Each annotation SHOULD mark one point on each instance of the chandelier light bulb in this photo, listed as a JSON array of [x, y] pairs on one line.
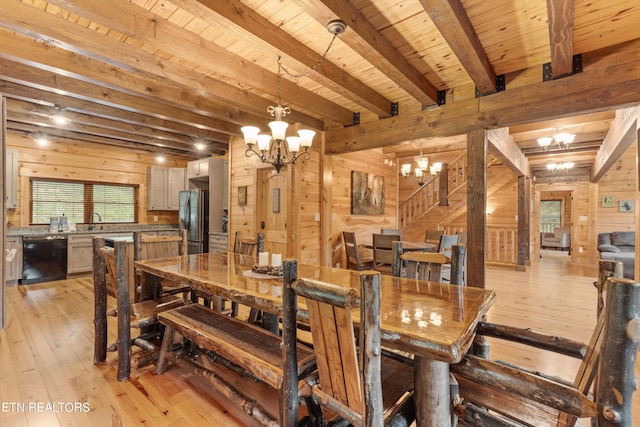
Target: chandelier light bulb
[[278, 130], [263, 142], [306, 137], [294, 143], [405, 169], [250, 133], [545, 141]]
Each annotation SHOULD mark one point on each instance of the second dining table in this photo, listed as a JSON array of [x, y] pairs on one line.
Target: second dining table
[[433, 321]]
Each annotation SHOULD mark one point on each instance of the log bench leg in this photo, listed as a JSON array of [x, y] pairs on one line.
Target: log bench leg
[[432, 396], [165, 348]]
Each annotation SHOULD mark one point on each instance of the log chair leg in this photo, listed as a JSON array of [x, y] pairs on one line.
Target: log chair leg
[[167, 344], [431, 379]]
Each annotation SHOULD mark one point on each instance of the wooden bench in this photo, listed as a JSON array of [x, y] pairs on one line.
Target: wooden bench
[[278, 361]]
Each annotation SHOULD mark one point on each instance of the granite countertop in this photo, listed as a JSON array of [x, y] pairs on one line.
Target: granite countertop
[[125, 229]]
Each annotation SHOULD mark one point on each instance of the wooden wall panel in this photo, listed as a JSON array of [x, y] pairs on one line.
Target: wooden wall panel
[[79, 160], [619, 182]]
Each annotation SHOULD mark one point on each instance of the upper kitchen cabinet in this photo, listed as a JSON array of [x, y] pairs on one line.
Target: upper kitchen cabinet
[[199, 169], [11, 180], [163, 188]]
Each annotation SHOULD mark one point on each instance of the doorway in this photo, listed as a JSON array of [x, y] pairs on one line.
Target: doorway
[[272, 209]]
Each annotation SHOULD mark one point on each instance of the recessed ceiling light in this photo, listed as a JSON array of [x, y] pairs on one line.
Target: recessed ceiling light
[[200, 146], [41, 139], [60, 116]]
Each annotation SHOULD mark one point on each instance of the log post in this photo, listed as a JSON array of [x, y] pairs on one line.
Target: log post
[[100, 303], [124, 311], [370, 342], [606, 269], [616, 375], [289, 392]]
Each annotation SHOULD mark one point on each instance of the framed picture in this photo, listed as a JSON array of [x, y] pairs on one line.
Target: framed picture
[[276, 200], [608, 201], [626, 206], [367, 194], [242, 195]]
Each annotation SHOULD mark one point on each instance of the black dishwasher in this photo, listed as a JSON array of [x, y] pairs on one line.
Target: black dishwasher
[[44, 258]]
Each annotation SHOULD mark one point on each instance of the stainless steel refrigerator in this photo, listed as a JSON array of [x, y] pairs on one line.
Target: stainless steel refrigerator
[[194, 217]]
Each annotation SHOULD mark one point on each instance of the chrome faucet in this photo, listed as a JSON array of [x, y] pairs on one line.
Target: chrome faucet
[[91, 224]]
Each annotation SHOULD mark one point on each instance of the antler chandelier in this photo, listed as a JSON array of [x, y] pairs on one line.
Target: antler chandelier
[[270, 147]]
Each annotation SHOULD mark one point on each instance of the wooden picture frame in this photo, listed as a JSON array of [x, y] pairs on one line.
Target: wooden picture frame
[[626, 206], [608, 201], [367, 193], [242, 195]]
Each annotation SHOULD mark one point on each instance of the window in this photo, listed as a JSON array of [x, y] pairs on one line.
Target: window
[[550, 215], [78, 200]]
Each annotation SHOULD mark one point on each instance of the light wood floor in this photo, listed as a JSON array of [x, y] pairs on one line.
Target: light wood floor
[[46, 352]]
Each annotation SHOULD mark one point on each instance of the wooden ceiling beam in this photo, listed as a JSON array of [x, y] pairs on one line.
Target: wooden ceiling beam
[[369, 43], [502, 146], [560, 14], [611, 79], [622, 134], [90, 92], [43, 97], [327, 73], [159, 33], [451, 19]]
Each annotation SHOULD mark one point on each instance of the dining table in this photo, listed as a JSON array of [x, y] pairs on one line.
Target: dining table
[[435, 322]]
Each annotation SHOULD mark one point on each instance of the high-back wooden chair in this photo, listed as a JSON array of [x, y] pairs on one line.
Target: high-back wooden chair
[[433, 236], [431, 265], [383, 252], [140, 315], [355, 382], [354, 262], [395, 231], [149, 246], [446, 242], [518, 396]]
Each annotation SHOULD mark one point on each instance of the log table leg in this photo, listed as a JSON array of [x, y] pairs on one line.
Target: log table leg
[[433, 402], [100, 304]]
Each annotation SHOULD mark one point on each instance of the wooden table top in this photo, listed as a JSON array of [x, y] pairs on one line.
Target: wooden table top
[[428, 319]]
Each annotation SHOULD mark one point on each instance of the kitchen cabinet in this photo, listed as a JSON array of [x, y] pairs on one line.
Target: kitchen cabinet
[[218, 242], [163, 188], [79, 254], [198, 169], [11, 180], [13, 269]]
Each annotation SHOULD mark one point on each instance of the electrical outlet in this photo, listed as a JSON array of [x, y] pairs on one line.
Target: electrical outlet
[[155, 217], [316, 217]]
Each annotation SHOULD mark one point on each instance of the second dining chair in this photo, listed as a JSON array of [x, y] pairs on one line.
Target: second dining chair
[[354, 261], [446, 242], [383, 252]]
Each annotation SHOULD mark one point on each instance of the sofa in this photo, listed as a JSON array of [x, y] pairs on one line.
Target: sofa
[[619, 246], [559, 239]]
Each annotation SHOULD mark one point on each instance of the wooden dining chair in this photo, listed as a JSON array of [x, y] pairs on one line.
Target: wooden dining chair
[[355, 382], [430, 266], [354, 261], [139, 315], [433, 236], [383, 252], [149, 246], [446, 241], [496, 393], [395, 231]]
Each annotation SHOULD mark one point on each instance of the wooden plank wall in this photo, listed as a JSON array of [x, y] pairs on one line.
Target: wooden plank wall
[[85, 161], [619, 182], [364, 226]]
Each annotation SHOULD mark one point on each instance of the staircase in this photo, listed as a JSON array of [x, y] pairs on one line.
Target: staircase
[[422, 210]]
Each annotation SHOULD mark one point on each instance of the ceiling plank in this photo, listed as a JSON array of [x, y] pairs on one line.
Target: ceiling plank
[[153, 30], [42, 97], [502, 146], [369, 43], [47, 81], [611, 78], [622, 134], [451, 19], [326, 73], [560, 13]]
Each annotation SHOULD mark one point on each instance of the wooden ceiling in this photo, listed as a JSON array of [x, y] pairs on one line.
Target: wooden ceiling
[[161, 75]]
